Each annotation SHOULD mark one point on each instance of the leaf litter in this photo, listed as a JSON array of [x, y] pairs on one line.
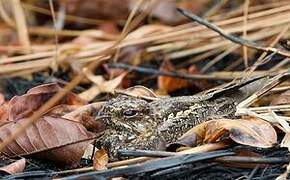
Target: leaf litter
[[160, 49]]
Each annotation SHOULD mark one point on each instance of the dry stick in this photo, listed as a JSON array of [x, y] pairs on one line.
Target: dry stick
[[199, 149], [54, 63], [186, 52], [246, 10], [230, 37], [19, 16], [162, 73], [226, 159]]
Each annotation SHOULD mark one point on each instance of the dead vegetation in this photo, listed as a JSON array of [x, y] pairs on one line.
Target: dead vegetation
[[62, 61]]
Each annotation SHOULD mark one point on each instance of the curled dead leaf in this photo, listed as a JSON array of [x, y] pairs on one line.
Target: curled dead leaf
[[101, 159], [23, 106], [252, 132], [15, 167], [48, 139], [61, 110]]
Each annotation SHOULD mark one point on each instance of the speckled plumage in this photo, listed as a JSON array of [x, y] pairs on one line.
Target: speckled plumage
[[136, 123]]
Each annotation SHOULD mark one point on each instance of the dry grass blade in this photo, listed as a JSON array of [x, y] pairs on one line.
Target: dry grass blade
[[55, 58], [246, 9], [125, 29], [21, 24], [170, 39]]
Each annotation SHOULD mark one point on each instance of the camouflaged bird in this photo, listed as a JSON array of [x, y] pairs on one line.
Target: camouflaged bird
[[135, 121]]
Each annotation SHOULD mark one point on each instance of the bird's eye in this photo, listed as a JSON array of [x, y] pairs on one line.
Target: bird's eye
[[130, 113]]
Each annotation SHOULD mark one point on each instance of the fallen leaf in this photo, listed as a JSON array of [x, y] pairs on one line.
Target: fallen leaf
[[170, 84], [48, 138], [101, 160], [252, 132], [70, 98], [24, 106], [61, 110], [15, 167]]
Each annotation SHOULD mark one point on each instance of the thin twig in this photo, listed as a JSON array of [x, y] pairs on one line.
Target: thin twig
[[153, 165], [151, 71], [230, 37]]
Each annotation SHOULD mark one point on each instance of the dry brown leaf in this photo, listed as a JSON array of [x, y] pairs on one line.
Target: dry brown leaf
[[70, 98], [15, 167], [47, 133], [86, 116], [252, 132], [61, 110], [170, 84], [101, 160], [23, 106]]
